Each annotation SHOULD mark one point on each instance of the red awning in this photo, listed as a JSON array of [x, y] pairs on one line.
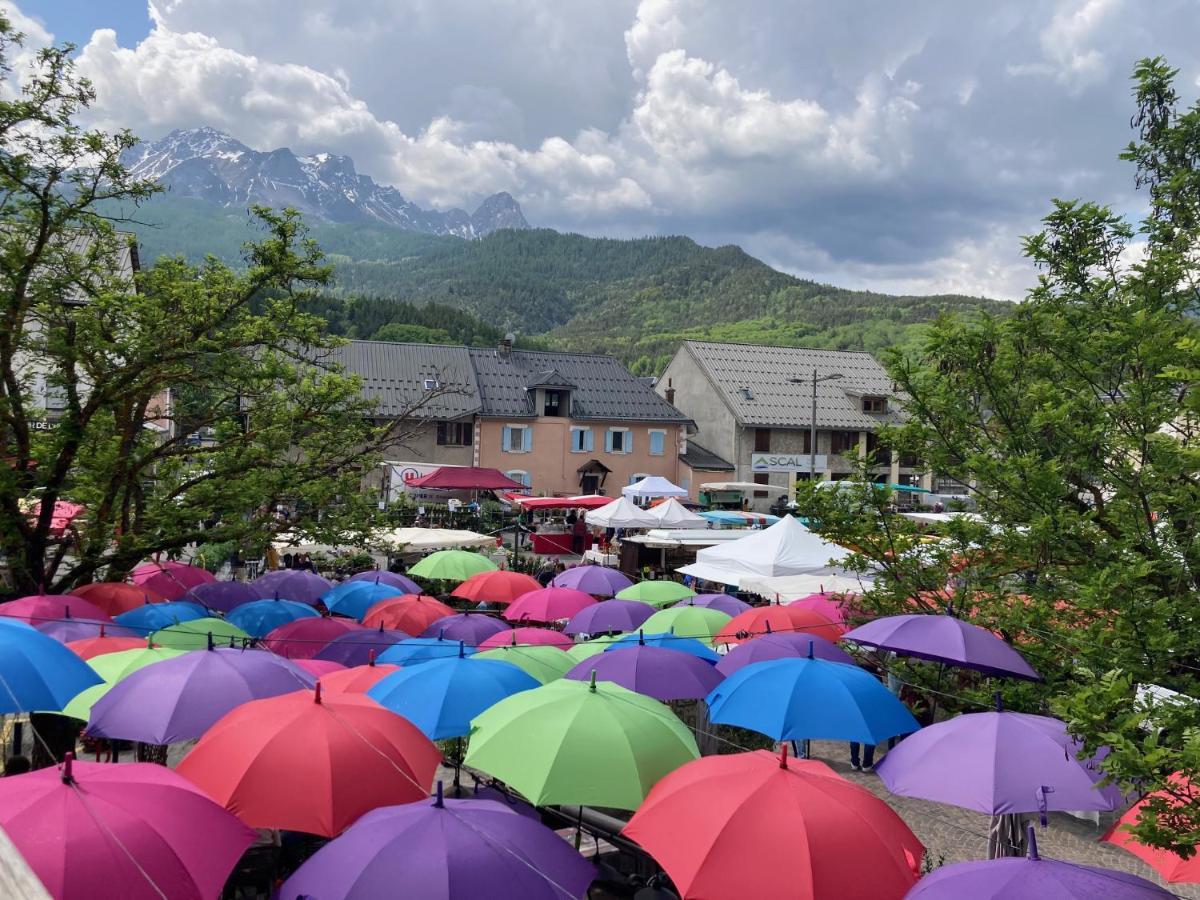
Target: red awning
[[466, 478], [590, 501]]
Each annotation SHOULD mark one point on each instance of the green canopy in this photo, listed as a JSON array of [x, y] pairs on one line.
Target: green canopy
[[696, 622], [193, 635], [112, 667], [541, 661], [584, 649], [657, 593], [580, 743], [452, 565]]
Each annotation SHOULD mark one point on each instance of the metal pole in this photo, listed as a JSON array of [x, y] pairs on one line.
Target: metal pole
[[812, 431]]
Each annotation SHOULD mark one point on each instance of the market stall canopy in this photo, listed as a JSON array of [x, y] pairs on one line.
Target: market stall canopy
[[743, 486], [786, 548], [623, 513], [734, 517], [584, 501], [786, 588], [466, 478], [418, 540], [62, 516], [673, 514], [653, 486], [287, 542]]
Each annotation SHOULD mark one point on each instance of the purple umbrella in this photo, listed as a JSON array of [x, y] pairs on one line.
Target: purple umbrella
[[222, 595], [290, 584], [596, 580], [354, 648], [944, 639], [721, 602], [470, 628], [180, 698], [653, 671], [444, 850], [389, 579], [609, 617], [996, 763], [1017, 878], [69, 629], [781, 644]]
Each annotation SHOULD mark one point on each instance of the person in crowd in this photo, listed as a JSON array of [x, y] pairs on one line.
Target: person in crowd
[[579, 532], [866, 762]]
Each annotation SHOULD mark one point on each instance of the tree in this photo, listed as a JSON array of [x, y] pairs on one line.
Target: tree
[[1076, 419], [413, 334], [192, 398]]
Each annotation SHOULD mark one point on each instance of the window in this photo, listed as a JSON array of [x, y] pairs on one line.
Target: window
[[762, 440], [909, 461], [522, 476], [517, 439], [762, 478], [55, 396], [553, 403], [843, 441], [874, 404], [432, 384], [455, 434], [944, 484], [638, 476], [877, 450], [581, 439], [618, 440], [658, 442]]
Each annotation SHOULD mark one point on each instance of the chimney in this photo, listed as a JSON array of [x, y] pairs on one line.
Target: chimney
[[669, 393], [506, 343]]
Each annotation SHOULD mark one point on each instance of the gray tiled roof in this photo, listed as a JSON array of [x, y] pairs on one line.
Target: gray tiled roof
[[698, 457], [604, 389], [551, 378], [753, 382], [395, 375]]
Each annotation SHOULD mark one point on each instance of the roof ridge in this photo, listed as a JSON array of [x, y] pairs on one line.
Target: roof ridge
[[778, 347]]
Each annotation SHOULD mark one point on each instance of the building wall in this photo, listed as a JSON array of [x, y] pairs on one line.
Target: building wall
[[696, 399], [421, 447]]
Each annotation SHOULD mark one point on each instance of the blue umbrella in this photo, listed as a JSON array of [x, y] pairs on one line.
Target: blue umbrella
[[809, 699], [405, 584], [414, 651], [259, 617], [667, 640], [441, 697], [154, 616], [354, 598], [37, 673]]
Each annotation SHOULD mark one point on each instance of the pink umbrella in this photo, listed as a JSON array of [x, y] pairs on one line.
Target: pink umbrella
[[319, 667], [548, 605], [136, 831], [528, 636], [39, 608], [834, 607], [305, 638], [171, 579]]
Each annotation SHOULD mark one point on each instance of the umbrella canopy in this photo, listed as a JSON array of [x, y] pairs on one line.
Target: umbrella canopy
[[222, 596], [357, 680], [170, 579], [38, 608], [668, 640], [181, 698], [196, 634], [352, 599], [466, 478], [785, 645], [130, 832], [67, 630], [653, 486], [410, 613], [608, 617], [116, 597], [470, 628], [653, 671], [151, 617], [38, 673], [355, 648], [585, 743], [834, 607], [98, 646], [656, 593], [544, 663], [523, 636], [497, 586], [403, 583], [589, 648], [731, 606], [452, 565], [259, 618], [112, 667], [548, 605], [598, 581], [1172, 867], [944, 639], [811, 833], [996, 763], [810, 699], [622, 513], [291, 584], [318, 668], [774, 618], [442, 697], [444, 850], [687, 621], [415, 651], [305, 638], [307, 762]]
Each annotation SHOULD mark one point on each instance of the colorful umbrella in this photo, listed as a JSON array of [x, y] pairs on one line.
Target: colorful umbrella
[[415, 651], [357, 680], [544, 663], [687, 621], [495, 586], [402, 583], [355, 648], [112, 667], [1171, 866], [582, 743], [223, 596], [657, 593], [70, 629], [352, 599], [98, 646], [303, 762], [525, 636], [548, 605], [38, 608], [170, 579], [444, 850], [609, 617], [771, 619], [130, 832], [834, 607], [589, 648], [151, 617], [762, 825], [291, 584], [196, 633], [305, 638], [666, 640], [180, 698], [944, 639], [410, 613], [731, 606], [37, 673], [470, 628], [653, 671], [116, 597], [258, 618], [452, 565], [442, 697], [595, 580], [996, 763], [810, 699], [785, 645], [318, 668]]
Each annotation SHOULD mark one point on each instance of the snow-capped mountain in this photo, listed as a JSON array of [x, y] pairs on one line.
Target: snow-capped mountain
[[210, 165]]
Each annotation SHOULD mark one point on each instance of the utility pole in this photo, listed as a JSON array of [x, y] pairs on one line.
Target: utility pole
[[812, 422]]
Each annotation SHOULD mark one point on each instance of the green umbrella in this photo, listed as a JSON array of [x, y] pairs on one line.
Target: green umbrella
[[452, 565], [584, 649], [687, 621], [657, 593], [112, 667], [193, 635], [580, 743], [543, 662]]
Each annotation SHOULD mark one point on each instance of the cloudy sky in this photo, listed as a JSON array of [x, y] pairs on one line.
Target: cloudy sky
[[895, 146]]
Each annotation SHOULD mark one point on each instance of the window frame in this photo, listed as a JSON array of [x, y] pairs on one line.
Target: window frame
[[588, 444], [651, 434], [510, 429], [444, 426], [626, 440]]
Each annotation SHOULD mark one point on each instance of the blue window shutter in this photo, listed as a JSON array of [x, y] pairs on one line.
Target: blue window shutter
[[587, 440], [506, 440], [527, 439], [656, 442], [527, 479], [608, 440], [627, 446]]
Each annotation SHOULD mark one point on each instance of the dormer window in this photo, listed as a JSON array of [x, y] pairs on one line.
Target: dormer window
[[553, 403], [874, 404], [432, 384], [746, 393]]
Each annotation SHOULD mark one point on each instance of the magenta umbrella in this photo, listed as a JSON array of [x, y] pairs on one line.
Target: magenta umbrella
[[170, 579], [599, 581], [834, 607], [39, 608], [402, 583], [305, 638], [781, 644], [653, 671], [518, 637], [548, 605], [291, 584], [135, 831], [609, 617], [720, 602], [470, 628]]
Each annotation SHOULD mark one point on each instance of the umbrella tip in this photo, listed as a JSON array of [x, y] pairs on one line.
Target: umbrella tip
[[783, 748], [440, 801], [592, 686], [371, 657], [642, 637], [1031, 839], [101, 629], [999, 698], [317, 693], [210, 641], [810, 649], [68, 764], [768, 624], [462, 649]]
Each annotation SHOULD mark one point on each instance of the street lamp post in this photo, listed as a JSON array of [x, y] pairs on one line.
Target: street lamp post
[[812, 422]]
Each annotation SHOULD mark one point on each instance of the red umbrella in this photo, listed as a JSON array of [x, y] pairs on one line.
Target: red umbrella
[[496, 587], [1170, 866], [303, 762], [548, 605], [466, 478], [38, 608], [762, 825], [304, 638], [527, 636], [411, 613], [765, 619], [171, 579], [98, 646], [116, 597], [319, 667], [358, 679]]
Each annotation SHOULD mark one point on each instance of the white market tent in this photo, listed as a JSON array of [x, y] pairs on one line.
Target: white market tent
[[419, 540], [787, 588], [743, 486], [673, 514], [653, 486], [786, 548], [623, 513]]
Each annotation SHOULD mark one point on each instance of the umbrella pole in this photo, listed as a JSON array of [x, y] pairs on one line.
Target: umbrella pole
[[458, 758], [937, 690], [579, 830]]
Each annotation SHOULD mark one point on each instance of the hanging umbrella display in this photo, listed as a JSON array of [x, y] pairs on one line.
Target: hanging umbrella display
[[525, 636], [318, 668], [609, 617], [358, 679], [196, 633], [170, 579], [944, 639], [657, 593], [70, 629], [98, 646], [543, 662], [548, 605], [452, 565], [130, 832], [180, 698], [688, 621], [444, 850], [116, 597], [347, 753], [589, 648], [112, 667], [223, 596], [354, 648], [258, 618], [667, 640], [150, 618], [37, 673], [291, 584], [598, 581], [352, 599], [810, 833], [498, 586], [784, 645], [39, 608], [583, 743], [1172, 867], [305, 638], [415, 651], [410, 613], [402, 583], [731, 606], [775, 618], [653, 671], [470, 628], [810, 699]]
